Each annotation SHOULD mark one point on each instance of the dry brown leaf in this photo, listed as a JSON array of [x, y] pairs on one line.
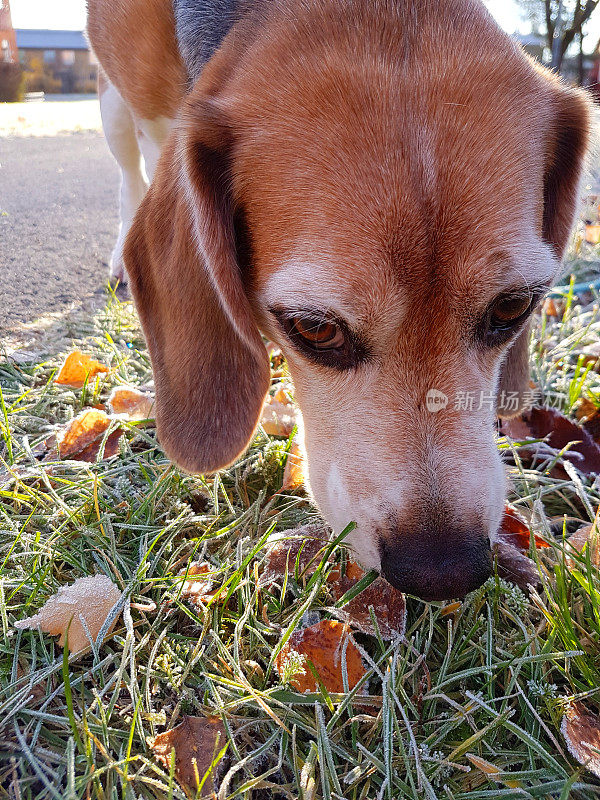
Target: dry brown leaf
[[389, 605], [197, 588], [278, 419], [90, 453], [293, 473], [323, 644], [129, 402], [515, 566], [284, 548], [197, 741], [558, 431], [77, 368], [80, 440], [90, 599], [582, 735], [590, 536]]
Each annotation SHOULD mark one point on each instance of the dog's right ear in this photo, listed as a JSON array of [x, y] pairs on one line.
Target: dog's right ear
[[568, 139], [211, 369]]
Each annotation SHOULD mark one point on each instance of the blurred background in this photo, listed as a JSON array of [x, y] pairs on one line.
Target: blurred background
[[44, 49], [59, 183]]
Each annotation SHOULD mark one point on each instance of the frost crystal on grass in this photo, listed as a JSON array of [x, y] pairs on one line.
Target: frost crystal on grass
[[292, 664], [542, 690]]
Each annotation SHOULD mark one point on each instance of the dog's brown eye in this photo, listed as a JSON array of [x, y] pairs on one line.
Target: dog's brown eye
[[320, 335], [509, 310]]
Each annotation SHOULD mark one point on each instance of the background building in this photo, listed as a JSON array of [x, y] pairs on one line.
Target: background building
[[57, 61]]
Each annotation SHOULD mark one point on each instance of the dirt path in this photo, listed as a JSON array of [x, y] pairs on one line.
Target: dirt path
[[58, 223]]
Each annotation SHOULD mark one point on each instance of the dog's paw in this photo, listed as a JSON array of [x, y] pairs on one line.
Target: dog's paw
[[117, 272]]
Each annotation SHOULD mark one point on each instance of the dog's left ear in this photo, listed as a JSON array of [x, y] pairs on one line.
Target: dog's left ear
[[211, 368], [568, 140]]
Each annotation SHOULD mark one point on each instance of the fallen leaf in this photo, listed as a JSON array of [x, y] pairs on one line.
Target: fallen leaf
[[590, 536], [451, 608], [492, 771], [77, 368], [80, 440], [582, 735], [90, 454], [592, 233], [198, 586], [323, 645], [515, 530], [197, 741], [89, 599], [514, 566], [129, 402], [293, 473], [281, 396], [558, 431], [389, 605], [591, 354], [550, 308], [278, 419], [285, 548], [588, 414]]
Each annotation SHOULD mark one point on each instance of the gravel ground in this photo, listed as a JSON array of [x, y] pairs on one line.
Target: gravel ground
[[58, 224]]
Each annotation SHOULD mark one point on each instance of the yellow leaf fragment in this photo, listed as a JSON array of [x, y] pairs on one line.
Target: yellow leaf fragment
[[85, 603], [293, 473], [492, 771], [77, 368], [198, 586]]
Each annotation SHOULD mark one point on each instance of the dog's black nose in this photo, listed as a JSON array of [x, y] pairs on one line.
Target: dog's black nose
[[442, 566]]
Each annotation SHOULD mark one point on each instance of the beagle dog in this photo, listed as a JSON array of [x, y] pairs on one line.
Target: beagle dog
[[385, 189]]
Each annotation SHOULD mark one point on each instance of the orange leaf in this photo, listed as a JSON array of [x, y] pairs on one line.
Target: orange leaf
[[515, 530], [582, 735], [77, 368], [82, 437], [90, 599], [293, 473], [197, 741], [129, 402], [323, 644]]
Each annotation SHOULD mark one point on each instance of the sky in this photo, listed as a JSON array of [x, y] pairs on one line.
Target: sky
[[71, 14]]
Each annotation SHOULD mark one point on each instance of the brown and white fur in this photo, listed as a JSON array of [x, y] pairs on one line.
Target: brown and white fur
[[398, 166]]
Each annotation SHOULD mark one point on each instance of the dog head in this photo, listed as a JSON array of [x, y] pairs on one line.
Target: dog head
[[387, 198]]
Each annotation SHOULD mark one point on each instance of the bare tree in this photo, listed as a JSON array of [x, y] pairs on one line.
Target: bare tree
[[561, 21]]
